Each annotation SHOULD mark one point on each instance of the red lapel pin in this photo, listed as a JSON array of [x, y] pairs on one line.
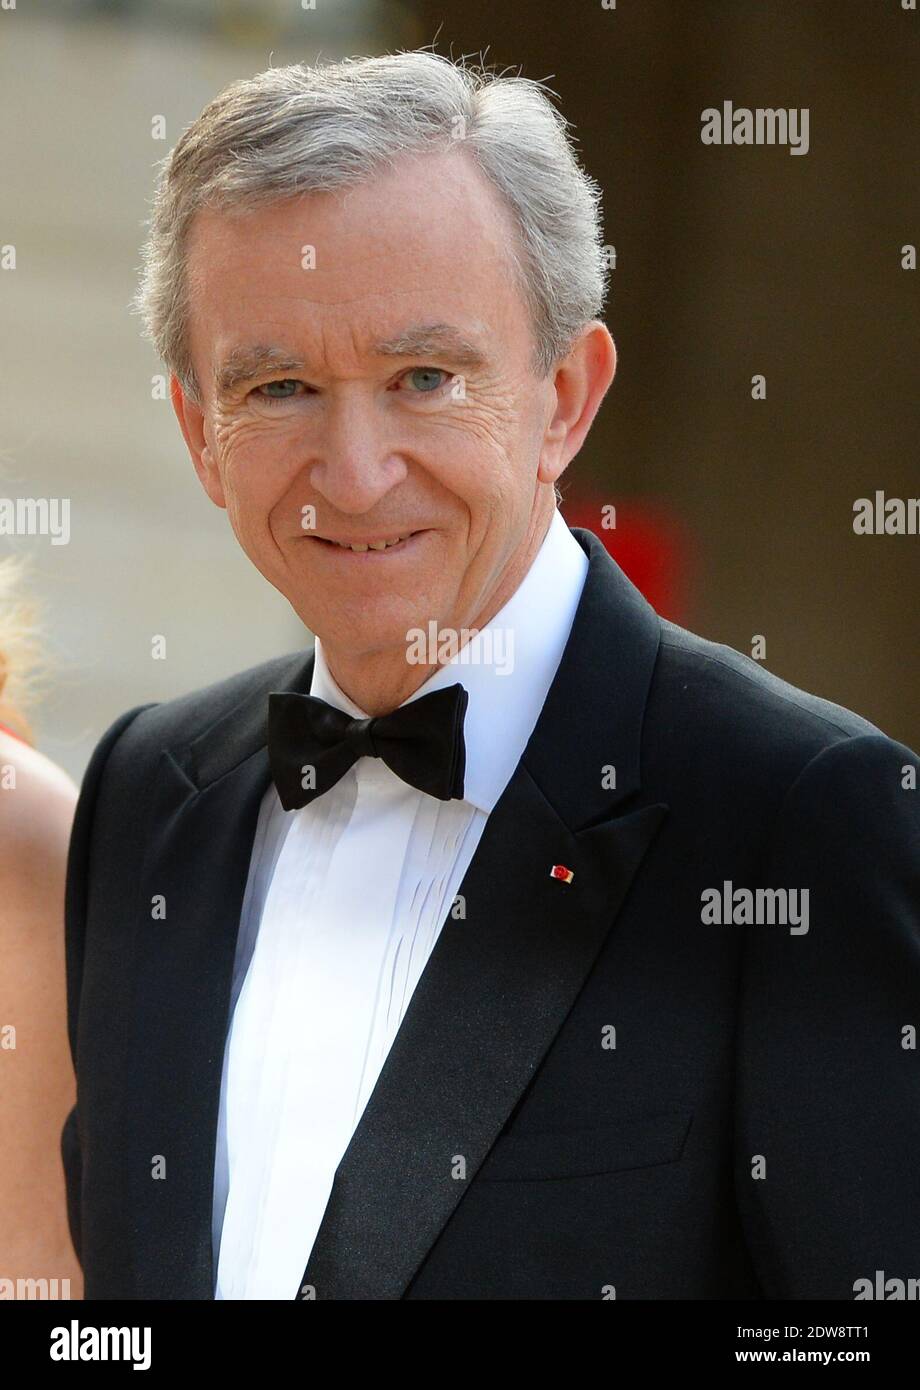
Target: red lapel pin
[[561, 872]]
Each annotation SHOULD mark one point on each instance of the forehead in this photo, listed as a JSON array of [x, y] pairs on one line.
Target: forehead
[[428, 240]]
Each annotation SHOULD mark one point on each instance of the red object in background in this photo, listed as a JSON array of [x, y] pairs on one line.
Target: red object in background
[[651, 544]]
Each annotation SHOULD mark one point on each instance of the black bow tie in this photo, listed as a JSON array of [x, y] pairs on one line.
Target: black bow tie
[[311, 741]]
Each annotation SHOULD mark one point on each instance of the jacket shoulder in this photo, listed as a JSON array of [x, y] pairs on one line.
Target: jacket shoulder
[[147, 729], [715, 695]]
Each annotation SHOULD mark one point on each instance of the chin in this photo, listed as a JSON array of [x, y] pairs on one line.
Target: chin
[[362, 630]]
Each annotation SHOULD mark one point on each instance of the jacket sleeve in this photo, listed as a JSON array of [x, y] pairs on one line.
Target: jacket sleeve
[[827, 1120], [75, 913]]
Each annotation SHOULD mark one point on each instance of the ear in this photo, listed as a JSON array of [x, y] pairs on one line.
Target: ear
[[191, 423], [581, 380]]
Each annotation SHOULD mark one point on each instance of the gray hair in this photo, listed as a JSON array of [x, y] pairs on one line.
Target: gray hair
[[301, 129]]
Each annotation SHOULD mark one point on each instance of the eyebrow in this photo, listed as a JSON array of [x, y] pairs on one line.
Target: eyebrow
[[442, 340]]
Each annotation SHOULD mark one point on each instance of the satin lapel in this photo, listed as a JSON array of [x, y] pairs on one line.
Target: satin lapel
[[206, 808], [500, 983], [490, 1001]]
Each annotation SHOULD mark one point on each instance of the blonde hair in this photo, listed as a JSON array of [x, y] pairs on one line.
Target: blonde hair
[[19, 648]]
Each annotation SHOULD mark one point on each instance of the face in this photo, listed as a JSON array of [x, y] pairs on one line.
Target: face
[[369, 416]]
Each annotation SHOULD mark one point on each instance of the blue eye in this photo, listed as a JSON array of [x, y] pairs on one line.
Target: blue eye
[[283, 382], [426, 381], [427, 373]]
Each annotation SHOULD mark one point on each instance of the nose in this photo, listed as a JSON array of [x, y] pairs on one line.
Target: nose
[[354, 461]]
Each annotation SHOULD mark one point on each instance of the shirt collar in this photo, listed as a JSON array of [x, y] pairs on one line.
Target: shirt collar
[[507, 668]]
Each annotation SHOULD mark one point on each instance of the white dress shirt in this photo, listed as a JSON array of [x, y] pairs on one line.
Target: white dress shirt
[[343, 906]]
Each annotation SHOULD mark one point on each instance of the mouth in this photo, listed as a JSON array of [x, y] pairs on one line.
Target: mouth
[[379, 545]]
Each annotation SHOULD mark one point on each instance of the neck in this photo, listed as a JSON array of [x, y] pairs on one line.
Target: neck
[[381, 681]]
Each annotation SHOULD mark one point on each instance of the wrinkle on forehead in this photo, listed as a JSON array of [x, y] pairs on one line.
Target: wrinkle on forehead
[[407, 233]]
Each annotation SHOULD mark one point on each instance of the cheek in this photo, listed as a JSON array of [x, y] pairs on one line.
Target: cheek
[[252, 476], [496, 474], [473, 455], [237, 441], [503, 425]]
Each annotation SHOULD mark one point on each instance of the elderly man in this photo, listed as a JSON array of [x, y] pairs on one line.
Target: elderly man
[[400, 971]]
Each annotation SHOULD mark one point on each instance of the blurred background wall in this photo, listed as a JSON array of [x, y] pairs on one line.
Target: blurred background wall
[[734, 514]]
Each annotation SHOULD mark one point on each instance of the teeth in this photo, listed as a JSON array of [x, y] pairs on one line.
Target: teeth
[[374, 545]]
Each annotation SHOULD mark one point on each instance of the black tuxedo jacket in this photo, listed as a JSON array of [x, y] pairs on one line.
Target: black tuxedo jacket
[[594, 1093]]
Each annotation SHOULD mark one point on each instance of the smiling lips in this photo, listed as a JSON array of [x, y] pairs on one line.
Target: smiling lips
[[359, 547]]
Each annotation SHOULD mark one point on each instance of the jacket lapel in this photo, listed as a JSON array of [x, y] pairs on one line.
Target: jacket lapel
[[500, 983]]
